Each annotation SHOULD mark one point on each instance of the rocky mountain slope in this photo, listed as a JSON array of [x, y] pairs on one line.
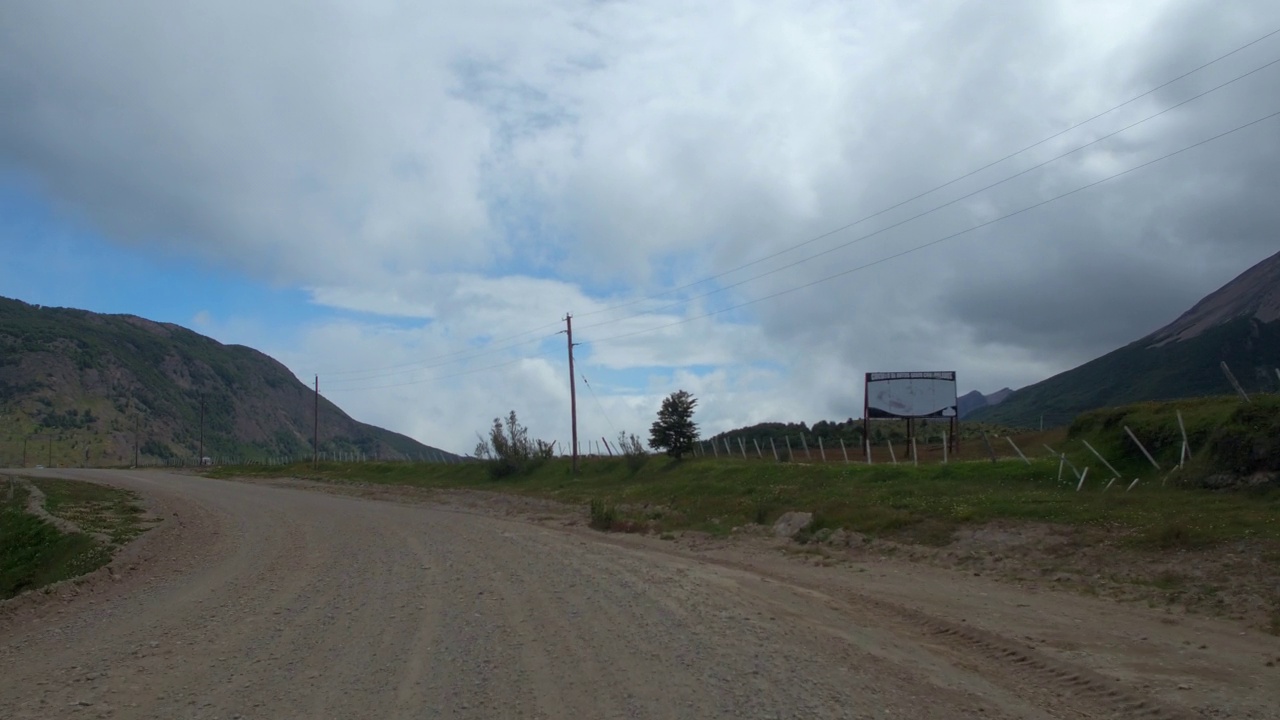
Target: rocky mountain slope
[[1238, 324], [78, 387]]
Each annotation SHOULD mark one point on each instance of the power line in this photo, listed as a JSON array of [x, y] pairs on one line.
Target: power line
[[598, 403], [936, 208], [939, 240], [366, 374], [849, 271], [944, 185]]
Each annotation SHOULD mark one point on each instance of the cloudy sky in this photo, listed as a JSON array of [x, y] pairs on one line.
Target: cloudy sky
[[754, 200]]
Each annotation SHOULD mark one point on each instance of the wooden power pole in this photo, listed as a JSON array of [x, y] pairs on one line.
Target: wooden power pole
[[573, 391], [200, 460], [315, 439]]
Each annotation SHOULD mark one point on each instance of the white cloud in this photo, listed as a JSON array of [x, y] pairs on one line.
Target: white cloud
[[485, 168]]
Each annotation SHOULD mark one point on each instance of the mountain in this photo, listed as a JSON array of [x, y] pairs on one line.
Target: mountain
[[973, 400], [78, 385], [1238, 324]]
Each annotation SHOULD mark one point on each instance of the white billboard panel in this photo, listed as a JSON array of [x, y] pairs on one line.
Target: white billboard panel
[[911, 395]]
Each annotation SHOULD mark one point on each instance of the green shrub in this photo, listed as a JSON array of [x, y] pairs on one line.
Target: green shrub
[[632, 451], [509, 450], [603, 515], [1249, 442]]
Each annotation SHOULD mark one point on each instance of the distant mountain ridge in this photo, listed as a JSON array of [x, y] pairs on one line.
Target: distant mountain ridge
[[89, 386], [973, 401], [1238, 324]]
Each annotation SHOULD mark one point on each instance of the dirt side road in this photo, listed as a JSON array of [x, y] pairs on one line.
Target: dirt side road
[[254, 601]]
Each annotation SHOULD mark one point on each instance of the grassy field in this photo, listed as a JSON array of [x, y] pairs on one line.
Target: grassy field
[[922, 504], [927, 503], [34, 553]]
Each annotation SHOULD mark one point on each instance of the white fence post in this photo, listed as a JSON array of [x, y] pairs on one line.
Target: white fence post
[[1141, 447], [1017, 450]]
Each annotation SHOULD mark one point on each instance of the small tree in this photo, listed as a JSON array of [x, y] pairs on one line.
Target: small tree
[[674, 431], [633, 450], [510, 448]]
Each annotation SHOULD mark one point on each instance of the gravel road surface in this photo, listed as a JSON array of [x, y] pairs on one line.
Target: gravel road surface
[[255, 601]]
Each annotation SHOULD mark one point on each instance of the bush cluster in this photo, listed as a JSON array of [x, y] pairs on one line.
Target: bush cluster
[[509, 450]]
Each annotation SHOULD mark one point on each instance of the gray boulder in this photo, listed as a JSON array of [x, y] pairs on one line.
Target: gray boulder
[[791, 523]]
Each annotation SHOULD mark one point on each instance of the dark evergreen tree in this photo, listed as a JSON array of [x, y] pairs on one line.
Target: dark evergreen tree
[[674, 431]]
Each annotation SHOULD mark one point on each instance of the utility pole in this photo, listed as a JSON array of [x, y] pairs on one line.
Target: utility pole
[[315, 449], [573, 391], [200, 460]]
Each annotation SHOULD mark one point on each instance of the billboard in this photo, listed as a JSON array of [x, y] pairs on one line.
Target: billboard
[[911, 395]]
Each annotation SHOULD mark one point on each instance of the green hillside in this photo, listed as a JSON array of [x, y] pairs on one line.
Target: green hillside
[[80, 388], [1239, 324], [1143, 371]]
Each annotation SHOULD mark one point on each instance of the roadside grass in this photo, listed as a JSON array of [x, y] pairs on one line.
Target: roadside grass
[[922, 504], [94, 508], [34, 553], [1224, 435]]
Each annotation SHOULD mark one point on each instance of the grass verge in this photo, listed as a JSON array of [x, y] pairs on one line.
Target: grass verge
[[923, 504], [34, 553]]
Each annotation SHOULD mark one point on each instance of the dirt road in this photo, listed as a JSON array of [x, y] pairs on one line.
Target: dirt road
[[252, 601]]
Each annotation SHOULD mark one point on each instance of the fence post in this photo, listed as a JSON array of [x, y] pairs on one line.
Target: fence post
[[868, 441], [1140, 447], [742, 446], [774, 448], [714, 451], [892, 455], [805, 445], [1099, 456], [1017, 450], [759, 454], [944, 447], [915, 460], [1231, 377], [790, 455], [728, 451], [822, 451], [1185, 454], [844, 452], [991, 451]]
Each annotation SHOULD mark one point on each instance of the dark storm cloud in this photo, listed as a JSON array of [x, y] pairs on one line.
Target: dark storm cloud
[[387, 156]]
